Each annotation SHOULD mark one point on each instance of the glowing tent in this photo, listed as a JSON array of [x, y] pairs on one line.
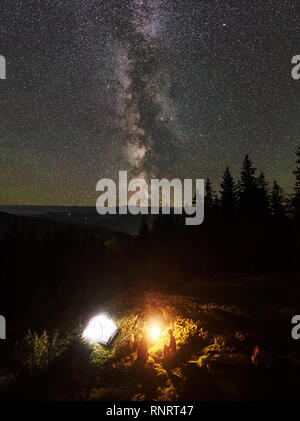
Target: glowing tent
[[100, 329]]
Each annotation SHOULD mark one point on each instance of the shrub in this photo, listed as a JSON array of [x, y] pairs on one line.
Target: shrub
[[32, 351]]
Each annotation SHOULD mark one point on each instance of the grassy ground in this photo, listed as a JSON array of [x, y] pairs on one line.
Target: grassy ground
[[225, 352]]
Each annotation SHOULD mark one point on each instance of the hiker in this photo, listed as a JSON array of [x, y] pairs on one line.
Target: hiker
[[169, 350], [142, 349]]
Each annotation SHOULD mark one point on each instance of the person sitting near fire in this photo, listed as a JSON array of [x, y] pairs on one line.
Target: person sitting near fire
[[142, 349], [169, 350]]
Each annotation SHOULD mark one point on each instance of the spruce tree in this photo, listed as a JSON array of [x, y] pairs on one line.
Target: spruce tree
[[247, 188], [263, 205], [296, 195], [277, 202], [228, 195], [209, 199]]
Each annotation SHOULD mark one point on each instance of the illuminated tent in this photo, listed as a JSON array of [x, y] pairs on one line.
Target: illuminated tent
[[100, 329]]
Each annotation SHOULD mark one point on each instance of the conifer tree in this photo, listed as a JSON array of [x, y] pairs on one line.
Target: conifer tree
[[209, 194], [209, 199], [277, 202], [263, 205], [296, 195], [247, 188], [228, 199]]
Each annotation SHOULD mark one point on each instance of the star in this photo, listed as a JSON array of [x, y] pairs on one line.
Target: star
[[95, 87]]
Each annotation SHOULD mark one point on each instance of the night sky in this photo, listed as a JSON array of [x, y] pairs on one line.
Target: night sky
[[161, 88]]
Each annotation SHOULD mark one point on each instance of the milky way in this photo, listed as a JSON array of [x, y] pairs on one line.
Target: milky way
[[144, 105], [160, 88]]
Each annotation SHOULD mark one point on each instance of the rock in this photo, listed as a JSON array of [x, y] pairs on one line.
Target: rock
[[236, 360], [222, 367], [261, 357], [7, 380]]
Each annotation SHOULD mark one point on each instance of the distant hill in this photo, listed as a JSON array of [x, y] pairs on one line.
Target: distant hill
[[81, 215], [45, 222]]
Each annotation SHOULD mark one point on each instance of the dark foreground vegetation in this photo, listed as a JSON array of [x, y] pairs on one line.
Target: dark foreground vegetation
[[229, 289]]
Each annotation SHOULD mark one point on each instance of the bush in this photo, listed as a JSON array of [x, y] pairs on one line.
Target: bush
[[32, 351]]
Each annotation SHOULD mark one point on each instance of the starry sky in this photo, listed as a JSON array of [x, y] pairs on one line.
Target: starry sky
[[160, 88]]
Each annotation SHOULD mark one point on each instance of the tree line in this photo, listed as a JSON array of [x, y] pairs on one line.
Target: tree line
[[252, 196], [250, 226]]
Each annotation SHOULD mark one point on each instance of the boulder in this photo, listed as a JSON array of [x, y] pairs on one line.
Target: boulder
[[234, 360], [261, 357]]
